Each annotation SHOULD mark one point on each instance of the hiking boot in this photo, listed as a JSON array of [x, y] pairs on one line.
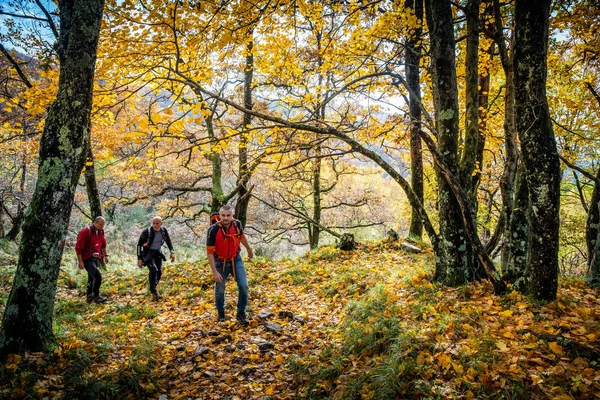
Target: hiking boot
[[99, 299], [156, 295], [241, 316], [90, 298], [221, 316]]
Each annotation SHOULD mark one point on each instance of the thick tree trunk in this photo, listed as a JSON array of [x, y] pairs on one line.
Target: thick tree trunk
[[592, 233], [241, 206], [91, 184], [538, 146], [517, 245], [27, 322], [413, 73], [455, 260]]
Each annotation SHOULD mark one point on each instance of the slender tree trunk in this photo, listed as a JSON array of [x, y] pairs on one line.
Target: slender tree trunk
[[1, 217], [592, 233], [538, 146], [468, 161], [316, 180], [217, 194], [241, 207], [517, 245], [471, 143], [456, 259], [20, 214], [413, 73], [91, 184], [484, 89], [507, 181], [27, 321]]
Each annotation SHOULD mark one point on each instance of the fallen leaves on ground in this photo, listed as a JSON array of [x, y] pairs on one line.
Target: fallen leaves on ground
[[334, 324]]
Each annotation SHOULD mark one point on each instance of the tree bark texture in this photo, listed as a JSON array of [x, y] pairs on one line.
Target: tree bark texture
[[456, 259], [592, 232], [471, 143], [27, 321], [517, 235], [17, 221], [538, 145], [411, 64], [244, 173], [91, 185], [507, 181]]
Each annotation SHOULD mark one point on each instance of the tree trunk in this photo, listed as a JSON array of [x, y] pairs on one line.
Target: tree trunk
[[316, 181], [592, 237], [470, 151], [471, 143], [91, 184], [1, 217], [507, 181], [484, 90], [538, 146], [517, 236], [413, 73], [241, 206], [455, 259], [20, 215], [27, 321], [216, 192]]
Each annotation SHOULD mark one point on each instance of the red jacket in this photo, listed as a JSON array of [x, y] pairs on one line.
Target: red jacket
[[97, 245], [224, 243]]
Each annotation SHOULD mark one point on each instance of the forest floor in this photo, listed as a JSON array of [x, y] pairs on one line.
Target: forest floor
[[344, 325]]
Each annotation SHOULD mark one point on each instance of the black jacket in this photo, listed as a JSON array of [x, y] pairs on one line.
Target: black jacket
[[146, 239]]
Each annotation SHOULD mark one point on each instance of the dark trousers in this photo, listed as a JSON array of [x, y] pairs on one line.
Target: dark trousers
[[94, 276], [154, 265]]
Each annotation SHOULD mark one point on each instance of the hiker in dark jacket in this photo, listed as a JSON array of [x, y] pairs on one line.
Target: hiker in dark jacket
[[223, 253], [149, 252], [90, 248]]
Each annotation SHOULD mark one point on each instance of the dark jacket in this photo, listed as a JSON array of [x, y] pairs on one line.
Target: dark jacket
[[146, 239]]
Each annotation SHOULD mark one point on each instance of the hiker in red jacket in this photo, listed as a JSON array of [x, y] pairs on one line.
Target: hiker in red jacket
[[90, 248], [223, 253]]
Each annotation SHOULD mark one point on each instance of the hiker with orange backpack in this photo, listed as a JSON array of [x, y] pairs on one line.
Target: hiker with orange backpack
[[223, 252], [90, 249]]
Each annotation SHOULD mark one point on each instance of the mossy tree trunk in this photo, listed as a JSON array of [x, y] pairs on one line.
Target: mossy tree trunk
[[412, 61], [592, 235], [19, 217], [455, 260], [538, 146], [27, 321], [515, 267]]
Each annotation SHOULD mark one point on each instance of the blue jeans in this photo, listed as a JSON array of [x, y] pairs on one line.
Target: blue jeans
[[240, 279]]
